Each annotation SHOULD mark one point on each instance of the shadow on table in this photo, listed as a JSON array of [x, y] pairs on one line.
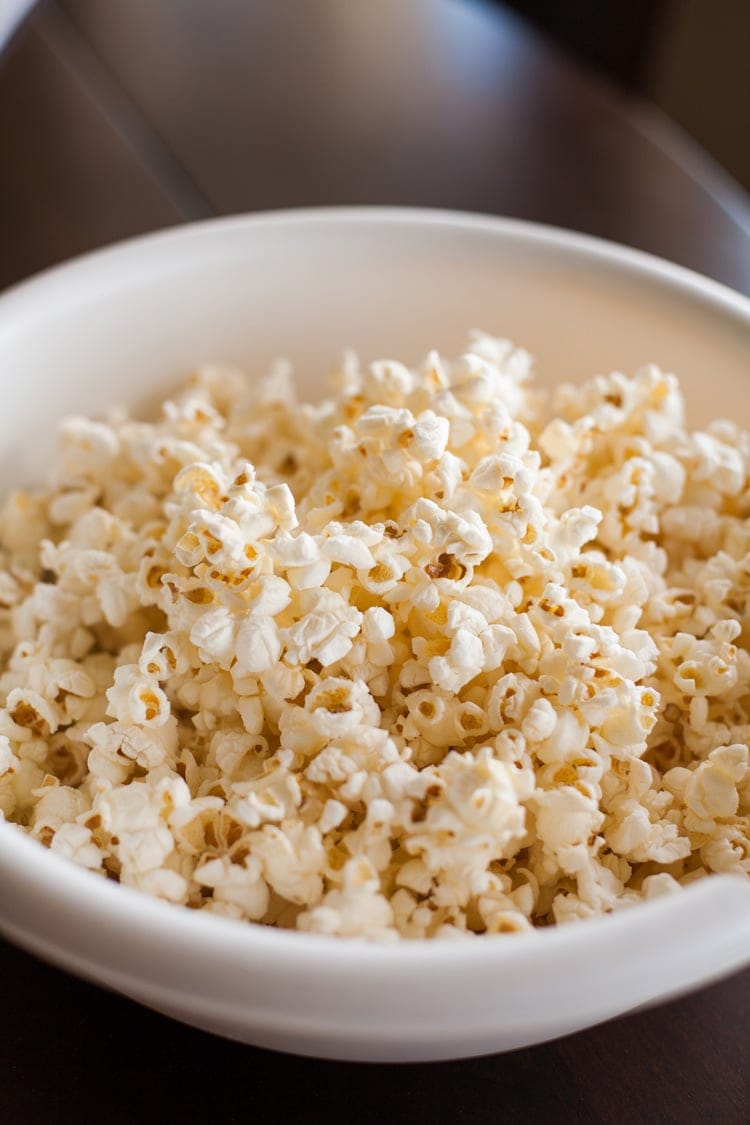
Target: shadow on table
[[100, 1058]]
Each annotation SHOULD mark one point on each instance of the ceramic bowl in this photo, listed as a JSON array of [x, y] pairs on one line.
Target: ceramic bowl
[[123, 325]]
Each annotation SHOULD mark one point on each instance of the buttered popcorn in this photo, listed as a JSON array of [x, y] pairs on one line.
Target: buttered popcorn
[[439, 656]]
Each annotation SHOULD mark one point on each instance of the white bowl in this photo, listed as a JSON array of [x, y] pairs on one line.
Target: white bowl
[[122, 324]]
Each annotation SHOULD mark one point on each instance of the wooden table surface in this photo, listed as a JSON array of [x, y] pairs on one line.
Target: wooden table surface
[[120, 117]]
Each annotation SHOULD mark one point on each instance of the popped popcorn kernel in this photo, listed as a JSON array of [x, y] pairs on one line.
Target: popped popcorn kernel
[[439, 656]]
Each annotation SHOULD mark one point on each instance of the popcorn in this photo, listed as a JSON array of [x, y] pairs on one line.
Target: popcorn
[[238, 885], [359, 909], [75, 841], [711, 792], [438, 656]]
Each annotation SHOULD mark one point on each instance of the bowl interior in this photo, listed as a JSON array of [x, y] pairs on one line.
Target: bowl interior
[[122, 325]]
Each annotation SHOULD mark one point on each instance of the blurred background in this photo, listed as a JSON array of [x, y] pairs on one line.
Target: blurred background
[[623, 118], [688, 56]]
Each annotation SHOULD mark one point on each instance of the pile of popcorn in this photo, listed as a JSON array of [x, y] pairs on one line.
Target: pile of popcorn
[[442, 655]]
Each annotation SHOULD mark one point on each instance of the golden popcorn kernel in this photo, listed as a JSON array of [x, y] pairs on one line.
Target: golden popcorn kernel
[[352, 502], [419, 812], [189, 542], [446, 567], [199, 596], [380, 573], [337, 856], [231, 580], [63, 763], [288, 465], [439, 615], [239, 855], [25, 716], [502, 925], [212, 544], [336, 700], [197, 480], [566, 775], [436, 646], [232, 830], [151, 704]]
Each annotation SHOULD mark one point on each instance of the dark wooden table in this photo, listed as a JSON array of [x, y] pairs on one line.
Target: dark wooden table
[[119, 117]]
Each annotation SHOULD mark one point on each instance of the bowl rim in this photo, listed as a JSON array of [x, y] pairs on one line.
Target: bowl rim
[[73, 889], [66, 887], [53, 281]]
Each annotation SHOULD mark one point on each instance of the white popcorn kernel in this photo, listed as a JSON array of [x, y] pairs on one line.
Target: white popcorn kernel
[[463, 661], [540, 721], [334, 813], [241, 885], [8, 760], [655, 886], [258, 645], [213, 634], [378, 625], [163, 883], [430, 437], [135, 698], [88, 447], [565, 817], [324, 632], [75, 842], [711, 790], [718, 463]]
